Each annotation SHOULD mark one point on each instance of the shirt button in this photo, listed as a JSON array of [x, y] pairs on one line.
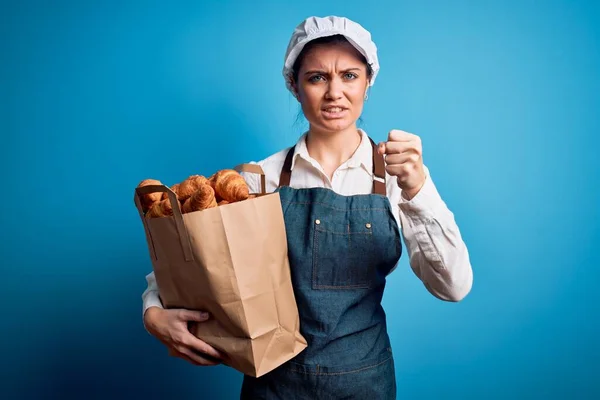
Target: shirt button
[[317, 221], [368, 225]]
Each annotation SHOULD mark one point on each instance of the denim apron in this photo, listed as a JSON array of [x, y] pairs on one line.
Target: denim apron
[[340, 248]]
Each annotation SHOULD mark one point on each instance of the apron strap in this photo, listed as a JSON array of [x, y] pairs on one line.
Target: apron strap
[[286, 170], [378, 170]]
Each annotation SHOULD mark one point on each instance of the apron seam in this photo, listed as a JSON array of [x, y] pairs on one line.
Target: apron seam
[[319, 373]]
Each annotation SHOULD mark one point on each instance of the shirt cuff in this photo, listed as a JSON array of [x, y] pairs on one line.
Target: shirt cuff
[[425, 202], [151, 299]]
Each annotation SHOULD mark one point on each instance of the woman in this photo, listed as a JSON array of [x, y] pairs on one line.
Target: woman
[[346, 203]]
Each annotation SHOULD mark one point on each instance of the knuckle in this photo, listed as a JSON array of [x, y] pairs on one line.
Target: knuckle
[[178, 348], [178, 338]]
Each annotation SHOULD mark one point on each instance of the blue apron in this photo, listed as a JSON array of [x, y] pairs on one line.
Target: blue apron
[[340, 248]]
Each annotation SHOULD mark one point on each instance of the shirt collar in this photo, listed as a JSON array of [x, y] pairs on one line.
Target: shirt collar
[[362, 157]]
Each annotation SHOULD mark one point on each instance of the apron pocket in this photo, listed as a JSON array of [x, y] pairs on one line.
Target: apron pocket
[[342, 255]]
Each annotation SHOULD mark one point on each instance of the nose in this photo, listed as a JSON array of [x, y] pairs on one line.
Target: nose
[[334, 89]]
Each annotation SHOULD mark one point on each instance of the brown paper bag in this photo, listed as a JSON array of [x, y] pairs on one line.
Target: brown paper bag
[[231, 261]]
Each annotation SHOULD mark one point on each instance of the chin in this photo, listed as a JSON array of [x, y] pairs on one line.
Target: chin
[[334, 126]]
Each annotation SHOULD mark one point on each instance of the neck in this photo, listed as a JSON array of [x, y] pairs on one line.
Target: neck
[[332, 149]]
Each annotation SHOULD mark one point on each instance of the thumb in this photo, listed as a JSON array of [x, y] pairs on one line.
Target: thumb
[[381, 148], [197, 316]]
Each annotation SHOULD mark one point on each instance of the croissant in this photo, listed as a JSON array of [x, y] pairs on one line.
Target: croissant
[[160, 208], [223, 202], [174, 188], [149, 199], [229, 185], [189, 186], [201, 199]]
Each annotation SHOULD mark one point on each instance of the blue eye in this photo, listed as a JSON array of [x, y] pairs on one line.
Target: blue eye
[[350, 76], [314, 78]]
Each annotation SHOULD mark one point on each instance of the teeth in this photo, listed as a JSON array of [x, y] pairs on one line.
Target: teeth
[[334, 109]]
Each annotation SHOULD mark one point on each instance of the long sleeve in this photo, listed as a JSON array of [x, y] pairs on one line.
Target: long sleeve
[[150, 295], [437, 253]]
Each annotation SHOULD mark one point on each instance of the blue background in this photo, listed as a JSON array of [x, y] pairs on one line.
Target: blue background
[[96, 96]]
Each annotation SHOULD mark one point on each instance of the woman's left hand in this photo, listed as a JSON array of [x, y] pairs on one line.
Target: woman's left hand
[[404, 160]]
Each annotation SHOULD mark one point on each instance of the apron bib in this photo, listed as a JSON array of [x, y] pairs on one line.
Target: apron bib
[[341, 249]]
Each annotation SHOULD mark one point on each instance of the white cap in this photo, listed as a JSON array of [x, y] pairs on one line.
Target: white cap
[[317, 27]]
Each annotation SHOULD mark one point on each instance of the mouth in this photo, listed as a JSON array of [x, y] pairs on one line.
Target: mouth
[[334, 111]]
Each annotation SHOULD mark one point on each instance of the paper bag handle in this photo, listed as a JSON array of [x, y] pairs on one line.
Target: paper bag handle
[[177, 216], [254, 169]]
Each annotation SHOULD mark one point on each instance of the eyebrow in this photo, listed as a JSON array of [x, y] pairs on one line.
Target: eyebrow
[[319, 71]]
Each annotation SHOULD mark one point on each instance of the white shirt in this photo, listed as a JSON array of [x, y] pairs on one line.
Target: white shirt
[[437, 254]]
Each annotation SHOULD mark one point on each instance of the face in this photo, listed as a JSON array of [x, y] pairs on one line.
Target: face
[[331, 86]]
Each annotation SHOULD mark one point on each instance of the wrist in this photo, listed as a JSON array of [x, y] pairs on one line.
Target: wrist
[[150, 317], [409, 194]]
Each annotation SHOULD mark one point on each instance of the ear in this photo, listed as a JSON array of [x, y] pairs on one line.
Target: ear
[[294, 89]]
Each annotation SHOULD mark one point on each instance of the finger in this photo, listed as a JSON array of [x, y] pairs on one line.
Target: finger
[[394, 159], [399, 170], [192, 358], [176, 354], [396, 135], [196, 316], [398, 147], [200, 346], [192, 355]]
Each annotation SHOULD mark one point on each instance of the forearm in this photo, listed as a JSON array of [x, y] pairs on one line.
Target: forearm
[[150, 296], [437, 252]]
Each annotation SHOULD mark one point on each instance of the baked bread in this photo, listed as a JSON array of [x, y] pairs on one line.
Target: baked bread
[[197, 193], [160, 208], [229, 185], [149, 199], [189, 186], [174, 188], [201, 199]]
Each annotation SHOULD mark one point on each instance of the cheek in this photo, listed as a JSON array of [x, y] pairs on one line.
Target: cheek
[[357, 94], [310, 98]]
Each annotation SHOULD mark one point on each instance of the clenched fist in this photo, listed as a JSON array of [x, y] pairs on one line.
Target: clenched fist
[[404, 160]]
